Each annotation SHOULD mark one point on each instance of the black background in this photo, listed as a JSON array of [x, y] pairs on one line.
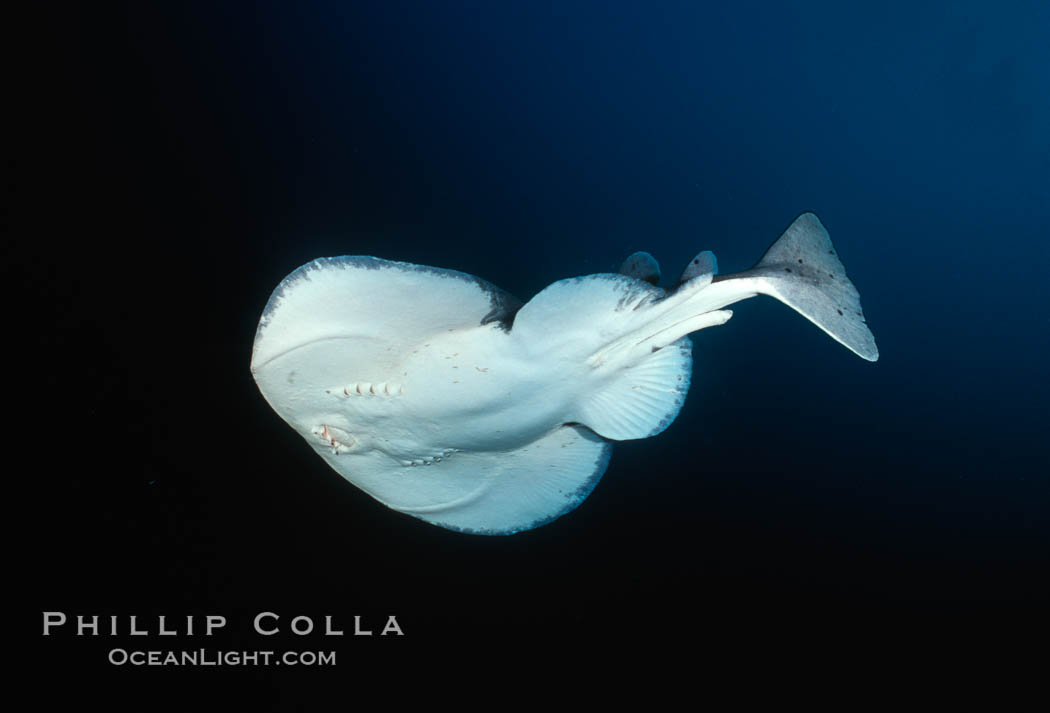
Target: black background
[[179, 160]]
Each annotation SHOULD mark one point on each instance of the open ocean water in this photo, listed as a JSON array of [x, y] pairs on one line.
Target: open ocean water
[[184, 157]]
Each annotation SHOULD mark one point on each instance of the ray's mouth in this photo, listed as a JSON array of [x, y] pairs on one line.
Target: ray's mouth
[[339, 440]]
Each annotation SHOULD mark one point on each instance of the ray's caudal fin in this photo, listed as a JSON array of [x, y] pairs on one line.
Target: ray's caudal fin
[[802, 270]]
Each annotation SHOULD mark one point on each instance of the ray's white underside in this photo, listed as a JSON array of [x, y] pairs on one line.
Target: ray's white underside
[[444, 398]]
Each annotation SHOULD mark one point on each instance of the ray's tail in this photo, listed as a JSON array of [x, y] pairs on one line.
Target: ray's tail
[[801, 269], [631, 337]]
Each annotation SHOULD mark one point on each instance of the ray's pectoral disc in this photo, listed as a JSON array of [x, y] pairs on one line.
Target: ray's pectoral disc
[[406, 381]]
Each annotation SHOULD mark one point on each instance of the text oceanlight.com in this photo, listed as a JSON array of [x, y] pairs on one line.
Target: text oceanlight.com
[[204, 657]]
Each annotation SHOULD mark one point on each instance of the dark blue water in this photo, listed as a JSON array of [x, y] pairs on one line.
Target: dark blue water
[[191, 156]]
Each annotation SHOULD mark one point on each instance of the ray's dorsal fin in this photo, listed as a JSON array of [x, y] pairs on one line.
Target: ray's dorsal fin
[[641, 266], [703, 264]]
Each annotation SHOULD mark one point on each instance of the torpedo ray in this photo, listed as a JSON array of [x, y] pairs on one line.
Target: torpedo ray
[[444, 397]]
